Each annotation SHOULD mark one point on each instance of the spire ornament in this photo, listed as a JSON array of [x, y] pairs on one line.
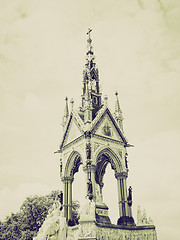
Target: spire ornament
[[118, 112], [88, 33], [91, 88], [66, 113], [72, 104]]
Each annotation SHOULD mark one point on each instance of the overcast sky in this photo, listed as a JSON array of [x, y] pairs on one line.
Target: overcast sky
[[42, 55]]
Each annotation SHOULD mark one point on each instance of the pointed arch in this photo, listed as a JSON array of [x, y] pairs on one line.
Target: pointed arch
[[104, 156], [73, 162]]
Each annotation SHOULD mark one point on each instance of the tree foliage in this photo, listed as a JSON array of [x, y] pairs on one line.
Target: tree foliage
[[25, 224]]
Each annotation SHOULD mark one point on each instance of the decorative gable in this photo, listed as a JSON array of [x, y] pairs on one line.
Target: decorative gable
[[106, 126], [73, 132]]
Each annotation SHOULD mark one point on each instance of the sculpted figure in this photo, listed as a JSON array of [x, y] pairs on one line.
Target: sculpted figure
[[60, 196], [126, 161], [98, 194], [90, 190], [88, 151], [139, 216], [60, 166]]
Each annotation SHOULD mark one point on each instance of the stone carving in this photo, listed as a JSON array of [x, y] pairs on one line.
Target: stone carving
[[76, 164], [126, 161], [102, 162], [96, 146], [129, 198], [87, 134], [119, 234], [150, 221], [90, 189], [60, 167], [88, 212], [142, 218], [54, 226], [88, 150], [60, 196], [87, 230], [139, 216], [98, 195], [107, 130]]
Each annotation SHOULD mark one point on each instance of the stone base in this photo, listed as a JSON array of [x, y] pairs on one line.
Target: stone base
[[94, 224], [95, 231], [102, 214], [126, 221]]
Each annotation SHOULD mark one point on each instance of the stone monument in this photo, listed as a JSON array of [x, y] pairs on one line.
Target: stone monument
[[93, 137]]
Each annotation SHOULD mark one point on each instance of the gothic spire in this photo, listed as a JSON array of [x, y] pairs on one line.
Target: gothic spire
[[118, 112], [91, 79], [66, 113]]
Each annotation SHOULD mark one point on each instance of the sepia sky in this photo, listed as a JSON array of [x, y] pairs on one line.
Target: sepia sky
[[42, 55]]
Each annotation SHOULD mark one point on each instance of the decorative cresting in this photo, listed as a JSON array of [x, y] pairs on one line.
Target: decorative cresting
[[72, 166]]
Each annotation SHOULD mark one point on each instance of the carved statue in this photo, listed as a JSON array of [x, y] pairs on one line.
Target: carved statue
[[90, 189], [139, 216], [60, 196], [107, 130], [88, 150], [126, 161], [54, 226], [87, 134], [60, 166], [98, 194], [130, 194], [89, 186]]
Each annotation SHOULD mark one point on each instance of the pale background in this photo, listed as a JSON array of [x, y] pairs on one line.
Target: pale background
[[42, 54]]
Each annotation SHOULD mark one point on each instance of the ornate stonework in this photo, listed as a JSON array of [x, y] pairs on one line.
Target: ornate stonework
[[91, 231], [54, 226], [93, 137]]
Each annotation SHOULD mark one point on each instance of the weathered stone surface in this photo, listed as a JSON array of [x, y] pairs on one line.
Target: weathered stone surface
[[54, 226], [93, 231]]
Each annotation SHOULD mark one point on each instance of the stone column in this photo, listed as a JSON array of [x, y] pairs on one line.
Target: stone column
[[122, 194], [118, 177], [69, 187], [65, 200], [93, 169], [88, 169], [125, 195], [90, 172]]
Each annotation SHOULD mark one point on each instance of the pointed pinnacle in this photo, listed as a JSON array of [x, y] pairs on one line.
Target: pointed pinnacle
[[117, 105], [66, 110]]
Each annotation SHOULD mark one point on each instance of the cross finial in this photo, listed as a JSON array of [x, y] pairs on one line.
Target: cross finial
[[89, 31]]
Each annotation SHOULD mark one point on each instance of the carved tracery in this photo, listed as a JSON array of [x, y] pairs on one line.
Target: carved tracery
[[73, 163], [76, 164], [102, 161]]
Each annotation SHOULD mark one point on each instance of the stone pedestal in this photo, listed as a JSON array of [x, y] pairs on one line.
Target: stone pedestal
[[102, 215], [94, 231], [95, 224]]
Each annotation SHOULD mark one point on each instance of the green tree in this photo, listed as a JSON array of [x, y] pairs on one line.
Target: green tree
[[25, 224]]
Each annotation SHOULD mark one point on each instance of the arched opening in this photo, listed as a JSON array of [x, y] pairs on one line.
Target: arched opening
[[110, 163], [79, 186], [72, 167], [110, 194], [73, 163], [108, 156], [105, 157]]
